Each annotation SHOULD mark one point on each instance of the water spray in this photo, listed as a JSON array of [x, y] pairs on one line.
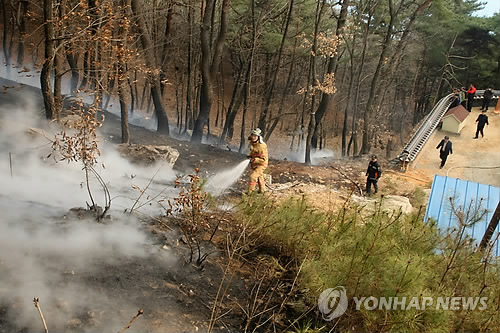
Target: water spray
[[217, 184]]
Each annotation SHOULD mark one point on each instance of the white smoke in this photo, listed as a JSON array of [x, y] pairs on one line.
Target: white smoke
[[318, 156], [47, 252]]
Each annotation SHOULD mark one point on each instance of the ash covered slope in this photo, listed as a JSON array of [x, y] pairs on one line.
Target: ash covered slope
[[90, 277], [13, 94]]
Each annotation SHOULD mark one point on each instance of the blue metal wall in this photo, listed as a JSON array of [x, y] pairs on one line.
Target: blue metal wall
[[464, 193]]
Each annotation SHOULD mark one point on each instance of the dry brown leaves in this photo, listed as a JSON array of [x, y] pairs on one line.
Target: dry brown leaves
[[79, 141]]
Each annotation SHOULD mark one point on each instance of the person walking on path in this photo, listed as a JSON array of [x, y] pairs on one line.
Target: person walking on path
[[373, 173], [470, 96], [258, 161], [446, 149], [487, 95], [481, 121]]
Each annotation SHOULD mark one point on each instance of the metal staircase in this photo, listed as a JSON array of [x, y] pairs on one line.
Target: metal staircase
[[425, 130]]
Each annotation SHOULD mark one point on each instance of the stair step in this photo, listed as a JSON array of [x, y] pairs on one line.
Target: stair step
[[424, 131]]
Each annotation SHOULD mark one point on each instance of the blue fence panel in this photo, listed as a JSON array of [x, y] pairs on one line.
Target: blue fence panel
[[466, 196], [435, 197]]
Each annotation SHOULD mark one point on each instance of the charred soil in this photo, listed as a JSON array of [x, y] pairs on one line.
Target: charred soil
[[246, 284]]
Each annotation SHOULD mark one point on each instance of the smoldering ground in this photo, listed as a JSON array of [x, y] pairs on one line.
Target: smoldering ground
[[89, 276], [66, 262]]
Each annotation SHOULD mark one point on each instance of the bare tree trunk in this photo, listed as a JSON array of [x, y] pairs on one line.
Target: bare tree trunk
[[123, 103], [375, 88], [58, 64], [354, 126], [490, 229], [189, 89], [93, 48], [322, 142], [145, 94], [58, 80], [248, 78], [234, 105], [166, 44], [219, 83], [135, 89], [95, 55], [206, 97], [48, 96], [208, 128], [71, 55], [133, 94], [388, 72], [346, 109], [147, 45], [209, 63], [312, 75], [332, 67], [5, 47], [75, 75], [246, 92], [365, 147], [22, 10], [270, 89], [179, 85], [85, 79], [122, 77], [111, 86], [283, 95], [346, 146]]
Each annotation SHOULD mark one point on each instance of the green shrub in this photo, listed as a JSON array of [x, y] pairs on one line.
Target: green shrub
[[417, 197], [384, 255]]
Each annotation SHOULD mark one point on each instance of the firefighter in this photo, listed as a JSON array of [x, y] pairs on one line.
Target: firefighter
[[373, 173], [258, 161]]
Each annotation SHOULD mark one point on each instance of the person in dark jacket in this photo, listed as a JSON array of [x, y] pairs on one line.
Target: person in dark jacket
[[445, 150], [481, 121], [456, 101], [373, 173], [470, 97], [487, 95]]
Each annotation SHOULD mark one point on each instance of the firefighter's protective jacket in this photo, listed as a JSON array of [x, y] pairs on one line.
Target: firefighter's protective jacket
[[258, 154], [374, 170]]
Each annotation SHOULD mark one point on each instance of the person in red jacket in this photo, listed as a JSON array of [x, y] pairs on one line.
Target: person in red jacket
[[470, 96]]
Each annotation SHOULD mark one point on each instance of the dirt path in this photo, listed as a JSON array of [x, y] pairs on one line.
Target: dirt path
[[468, 156]]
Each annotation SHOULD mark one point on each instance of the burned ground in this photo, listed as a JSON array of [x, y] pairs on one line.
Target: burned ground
[[176, 295]]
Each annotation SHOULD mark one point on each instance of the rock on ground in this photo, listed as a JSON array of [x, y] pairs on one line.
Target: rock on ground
[[390, 203], [148, 154]]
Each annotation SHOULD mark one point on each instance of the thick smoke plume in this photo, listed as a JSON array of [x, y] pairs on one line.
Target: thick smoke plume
[[49, 253]]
